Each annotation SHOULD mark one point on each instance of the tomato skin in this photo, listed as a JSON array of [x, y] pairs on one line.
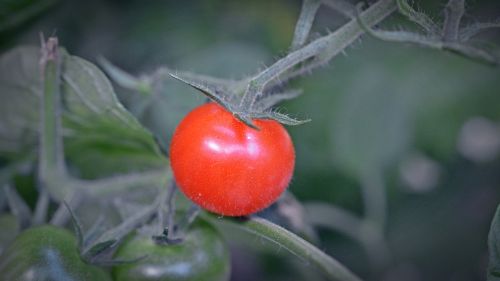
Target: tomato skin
[[46, 253], [227, 167], [201, 256]]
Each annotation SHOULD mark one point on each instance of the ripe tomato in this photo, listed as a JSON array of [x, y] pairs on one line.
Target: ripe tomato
[[227, 167], [46, 253], [201, 256]]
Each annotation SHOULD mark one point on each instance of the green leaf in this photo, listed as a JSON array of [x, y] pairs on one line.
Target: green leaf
[[20, 85], [171, 100], [162, 110], [494, 248], [101, 137]]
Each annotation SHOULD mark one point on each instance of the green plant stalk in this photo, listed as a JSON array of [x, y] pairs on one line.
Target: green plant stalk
[[362, 230], [374, 197], [453, 12], [111, 186], [51, 156], [52, 173], [322, 50], [49, 109], [333, 269], [304, 23]]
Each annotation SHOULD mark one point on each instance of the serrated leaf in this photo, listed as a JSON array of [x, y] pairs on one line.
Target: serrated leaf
[[101, 136], [215, 92], [494, 248]]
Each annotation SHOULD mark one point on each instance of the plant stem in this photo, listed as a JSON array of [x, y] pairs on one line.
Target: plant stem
[[374, 197], [41, 208], [322, 49], [51, 156], [111, 186], [372, 233], [453, 14], [304, 23], [361, 230], [334, 218], [293, 243], [51, 168], [17, 206]]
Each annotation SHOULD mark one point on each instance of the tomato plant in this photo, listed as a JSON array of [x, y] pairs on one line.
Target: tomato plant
[[10, 227], [227, 167], [201, 255], [46, 253]]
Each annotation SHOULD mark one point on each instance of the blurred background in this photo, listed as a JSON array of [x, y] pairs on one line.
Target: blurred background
[[413, 133]]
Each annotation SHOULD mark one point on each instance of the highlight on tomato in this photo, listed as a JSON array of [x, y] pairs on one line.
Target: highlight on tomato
[[227, 167]]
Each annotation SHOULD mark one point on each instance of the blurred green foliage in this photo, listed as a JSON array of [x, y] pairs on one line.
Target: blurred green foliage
[[372, 109]]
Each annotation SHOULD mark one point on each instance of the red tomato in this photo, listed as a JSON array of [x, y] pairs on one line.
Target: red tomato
[[227, 167]]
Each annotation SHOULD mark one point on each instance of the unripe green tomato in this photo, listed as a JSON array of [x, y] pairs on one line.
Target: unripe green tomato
[[201, 256], [47, 253]]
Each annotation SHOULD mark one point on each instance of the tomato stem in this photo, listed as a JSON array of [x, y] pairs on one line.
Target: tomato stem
[[333, 269], [320, 51]]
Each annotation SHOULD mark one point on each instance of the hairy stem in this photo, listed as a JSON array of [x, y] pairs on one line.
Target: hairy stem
[[293, 243], [453, 14], [319, 51], [304, 23]]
